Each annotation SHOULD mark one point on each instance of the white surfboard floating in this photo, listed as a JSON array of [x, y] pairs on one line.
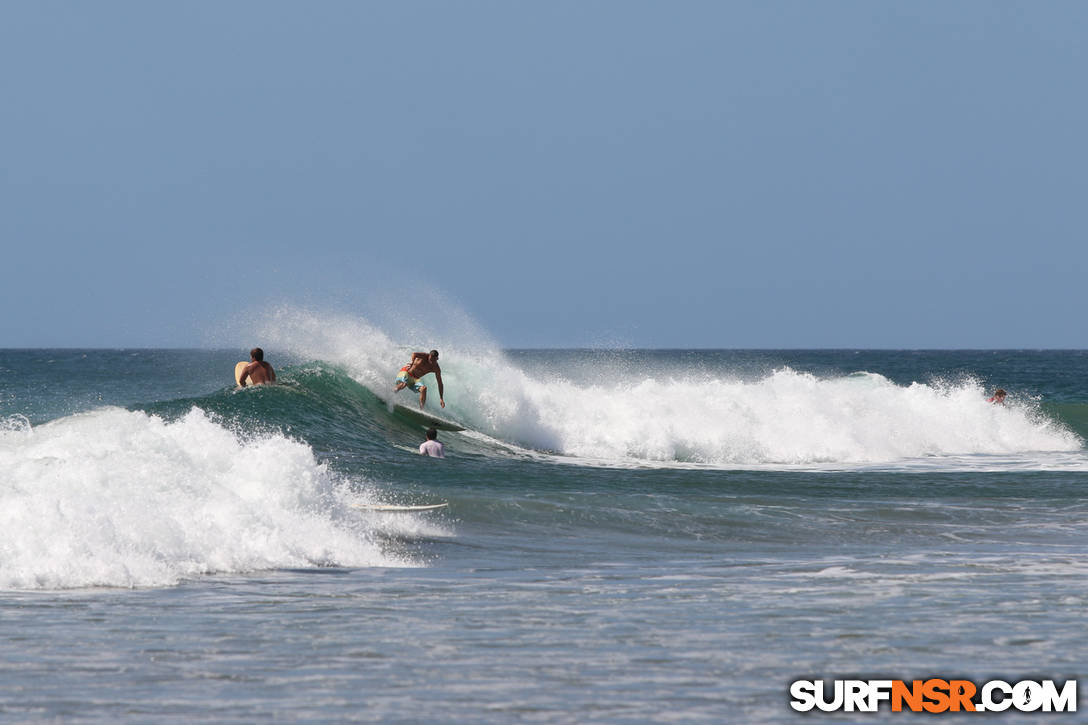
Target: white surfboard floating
[[396, 507]]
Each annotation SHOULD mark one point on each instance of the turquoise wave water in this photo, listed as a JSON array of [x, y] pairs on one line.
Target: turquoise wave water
[[1073, 416]]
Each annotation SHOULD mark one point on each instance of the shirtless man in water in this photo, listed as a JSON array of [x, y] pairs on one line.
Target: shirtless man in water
[[258, 371], [409, 375]]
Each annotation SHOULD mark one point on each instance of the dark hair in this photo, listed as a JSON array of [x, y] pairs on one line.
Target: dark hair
[[432, 434], [434, 353], [257, 354], [999, 391]]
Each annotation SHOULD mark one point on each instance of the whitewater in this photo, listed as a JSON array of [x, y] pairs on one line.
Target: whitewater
[[120, 498]]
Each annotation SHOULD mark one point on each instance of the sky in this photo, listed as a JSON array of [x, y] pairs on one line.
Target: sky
[[605, 173]]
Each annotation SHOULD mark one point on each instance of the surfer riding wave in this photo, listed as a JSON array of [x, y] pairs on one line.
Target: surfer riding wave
[[421, 364]]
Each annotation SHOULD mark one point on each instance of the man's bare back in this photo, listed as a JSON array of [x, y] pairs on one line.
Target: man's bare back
[[421, 364], [258, 371]]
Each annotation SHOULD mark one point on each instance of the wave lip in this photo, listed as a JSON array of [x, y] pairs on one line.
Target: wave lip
[[125, 499]]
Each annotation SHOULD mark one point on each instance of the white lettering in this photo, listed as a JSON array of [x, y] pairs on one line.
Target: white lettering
[[1027, 696], [856, 695], [989, 703], [821, 698], [1065, 701], [879, 690], [804, 695]]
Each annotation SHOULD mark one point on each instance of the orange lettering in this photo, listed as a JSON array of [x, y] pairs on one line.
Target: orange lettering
[[937, 692], [912, 695], [961, 692]]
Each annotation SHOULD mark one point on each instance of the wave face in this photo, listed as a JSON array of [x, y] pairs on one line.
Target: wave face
[[680, 408], [123, 498]]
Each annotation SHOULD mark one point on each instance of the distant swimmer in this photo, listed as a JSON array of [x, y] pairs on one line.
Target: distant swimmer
[[431, 447], [409, 375], [998, 396], [258, 371]]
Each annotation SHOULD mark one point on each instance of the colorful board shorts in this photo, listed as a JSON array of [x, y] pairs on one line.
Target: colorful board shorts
[[410, 382]]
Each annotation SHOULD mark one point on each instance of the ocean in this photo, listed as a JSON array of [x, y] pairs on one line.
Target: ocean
[[632, 535]]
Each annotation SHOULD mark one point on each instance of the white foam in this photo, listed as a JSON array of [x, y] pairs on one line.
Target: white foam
[[119, 498], [696, 416], [788, 418]]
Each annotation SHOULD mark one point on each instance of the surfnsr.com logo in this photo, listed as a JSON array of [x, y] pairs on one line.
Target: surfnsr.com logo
[[933, 695]]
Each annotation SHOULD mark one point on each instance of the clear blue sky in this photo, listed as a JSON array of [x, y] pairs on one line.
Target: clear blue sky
[[652, 174]]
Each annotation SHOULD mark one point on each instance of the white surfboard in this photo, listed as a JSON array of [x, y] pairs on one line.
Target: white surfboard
[[395, 507]]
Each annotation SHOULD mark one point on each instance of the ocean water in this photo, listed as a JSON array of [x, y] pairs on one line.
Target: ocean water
[[632, 536]]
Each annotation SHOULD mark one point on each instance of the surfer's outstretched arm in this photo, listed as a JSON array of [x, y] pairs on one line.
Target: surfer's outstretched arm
[[441, 397]]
